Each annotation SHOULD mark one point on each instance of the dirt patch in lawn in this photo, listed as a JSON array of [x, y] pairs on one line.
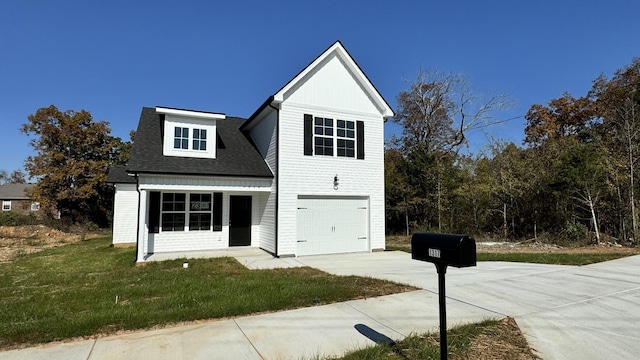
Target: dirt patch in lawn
[[502, 341], [16, 241]]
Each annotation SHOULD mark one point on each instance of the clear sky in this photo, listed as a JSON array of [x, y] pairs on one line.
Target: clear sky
[[114, 57]]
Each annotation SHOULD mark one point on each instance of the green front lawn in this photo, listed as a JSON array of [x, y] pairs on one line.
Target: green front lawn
[[552, 258], [91, 288], [557, 258]]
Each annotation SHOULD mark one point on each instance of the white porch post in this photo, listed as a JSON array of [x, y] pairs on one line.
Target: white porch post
[[142, 226]]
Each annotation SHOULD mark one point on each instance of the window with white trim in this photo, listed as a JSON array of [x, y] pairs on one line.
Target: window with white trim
[[173, 211], [181, 138], [323, 136], [185, 212], [329, 137], [35, 206], [199, 212], [200, 139], [6, 205], [345, 138]]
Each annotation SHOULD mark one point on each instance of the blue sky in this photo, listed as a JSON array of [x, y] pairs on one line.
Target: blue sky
[[114, 57]]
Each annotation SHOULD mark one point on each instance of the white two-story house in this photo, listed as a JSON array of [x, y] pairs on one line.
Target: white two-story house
[[303, 175]]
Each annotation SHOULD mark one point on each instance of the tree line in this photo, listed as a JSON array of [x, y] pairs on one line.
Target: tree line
[[574, 177]]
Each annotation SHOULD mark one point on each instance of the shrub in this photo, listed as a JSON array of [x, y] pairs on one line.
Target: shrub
[[10, 218]]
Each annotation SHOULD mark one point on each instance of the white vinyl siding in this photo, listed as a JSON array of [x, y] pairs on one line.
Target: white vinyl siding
[[313, 175], [264, 136], [125, 214], [332, 87]]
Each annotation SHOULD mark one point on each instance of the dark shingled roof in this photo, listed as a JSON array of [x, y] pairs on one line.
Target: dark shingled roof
[[118, 175], [237, 157], [14, 191]]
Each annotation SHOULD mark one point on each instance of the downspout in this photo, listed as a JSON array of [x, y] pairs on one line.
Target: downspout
[[277, 219], [138, 219]]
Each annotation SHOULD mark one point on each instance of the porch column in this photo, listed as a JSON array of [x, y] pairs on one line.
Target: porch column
[[142, 226]]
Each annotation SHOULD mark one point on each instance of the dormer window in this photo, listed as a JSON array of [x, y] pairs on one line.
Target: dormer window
[[189, 133], [200, 139], [181, 138]]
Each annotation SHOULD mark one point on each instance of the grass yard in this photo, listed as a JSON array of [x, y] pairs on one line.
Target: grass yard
[[491, 339], [532, 252], [552, 258], [90, 288]]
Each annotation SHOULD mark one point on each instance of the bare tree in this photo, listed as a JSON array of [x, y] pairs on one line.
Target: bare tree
[[435, 113]]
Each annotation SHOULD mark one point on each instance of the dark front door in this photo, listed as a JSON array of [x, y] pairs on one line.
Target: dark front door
[[239, 220]]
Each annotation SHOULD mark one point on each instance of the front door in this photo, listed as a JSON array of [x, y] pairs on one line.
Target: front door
[[239, 220]]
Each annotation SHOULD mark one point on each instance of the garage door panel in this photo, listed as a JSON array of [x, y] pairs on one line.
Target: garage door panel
[[332, 225]]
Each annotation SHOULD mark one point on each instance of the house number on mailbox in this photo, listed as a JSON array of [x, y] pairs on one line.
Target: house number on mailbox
[[434, 253]]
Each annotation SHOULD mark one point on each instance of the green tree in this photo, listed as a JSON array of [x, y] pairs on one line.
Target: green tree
[[582, 175], [617, 104], [73, 154]]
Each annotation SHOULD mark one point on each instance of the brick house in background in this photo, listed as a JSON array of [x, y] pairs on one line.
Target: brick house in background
[[14, 198]]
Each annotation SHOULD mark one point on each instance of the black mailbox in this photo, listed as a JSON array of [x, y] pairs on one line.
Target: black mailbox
[[447, 249]]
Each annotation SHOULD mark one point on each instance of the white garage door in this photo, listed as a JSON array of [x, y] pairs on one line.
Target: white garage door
[[330, 225]]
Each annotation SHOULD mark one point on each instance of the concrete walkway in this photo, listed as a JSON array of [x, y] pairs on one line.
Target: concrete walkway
[[590, 312]]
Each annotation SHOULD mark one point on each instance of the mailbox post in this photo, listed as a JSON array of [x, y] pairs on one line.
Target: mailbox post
[[443, 250]]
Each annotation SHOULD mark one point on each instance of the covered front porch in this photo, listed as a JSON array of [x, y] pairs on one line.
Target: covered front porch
[[201, 219]]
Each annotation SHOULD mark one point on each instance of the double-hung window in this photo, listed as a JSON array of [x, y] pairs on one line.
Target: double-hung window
[[184, 211], [345, 138], [323, 130], [329, 137], [173, 211], [199, 212], [181, 139], [200, 139], [6, 205]]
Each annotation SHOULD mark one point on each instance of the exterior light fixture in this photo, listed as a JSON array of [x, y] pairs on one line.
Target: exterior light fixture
[[335, 182]]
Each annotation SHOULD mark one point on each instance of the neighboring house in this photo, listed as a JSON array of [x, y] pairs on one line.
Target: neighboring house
[[303, 175], [14, 198]]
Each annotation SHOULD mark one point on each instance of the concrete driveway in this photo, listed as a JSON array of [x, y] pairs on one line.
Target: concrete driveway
[[566, 312], [589, 312]]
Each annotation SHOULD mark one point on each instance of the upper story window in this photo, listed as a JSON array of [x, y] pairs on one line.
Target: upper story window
[[189, 133], [323, 131], [346, 134], [200, 139], [323, 135], [181, 138]]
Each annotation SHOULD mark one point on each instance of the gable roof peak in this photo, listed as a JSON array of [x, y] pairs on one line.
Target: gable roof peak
[[337, 49]]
